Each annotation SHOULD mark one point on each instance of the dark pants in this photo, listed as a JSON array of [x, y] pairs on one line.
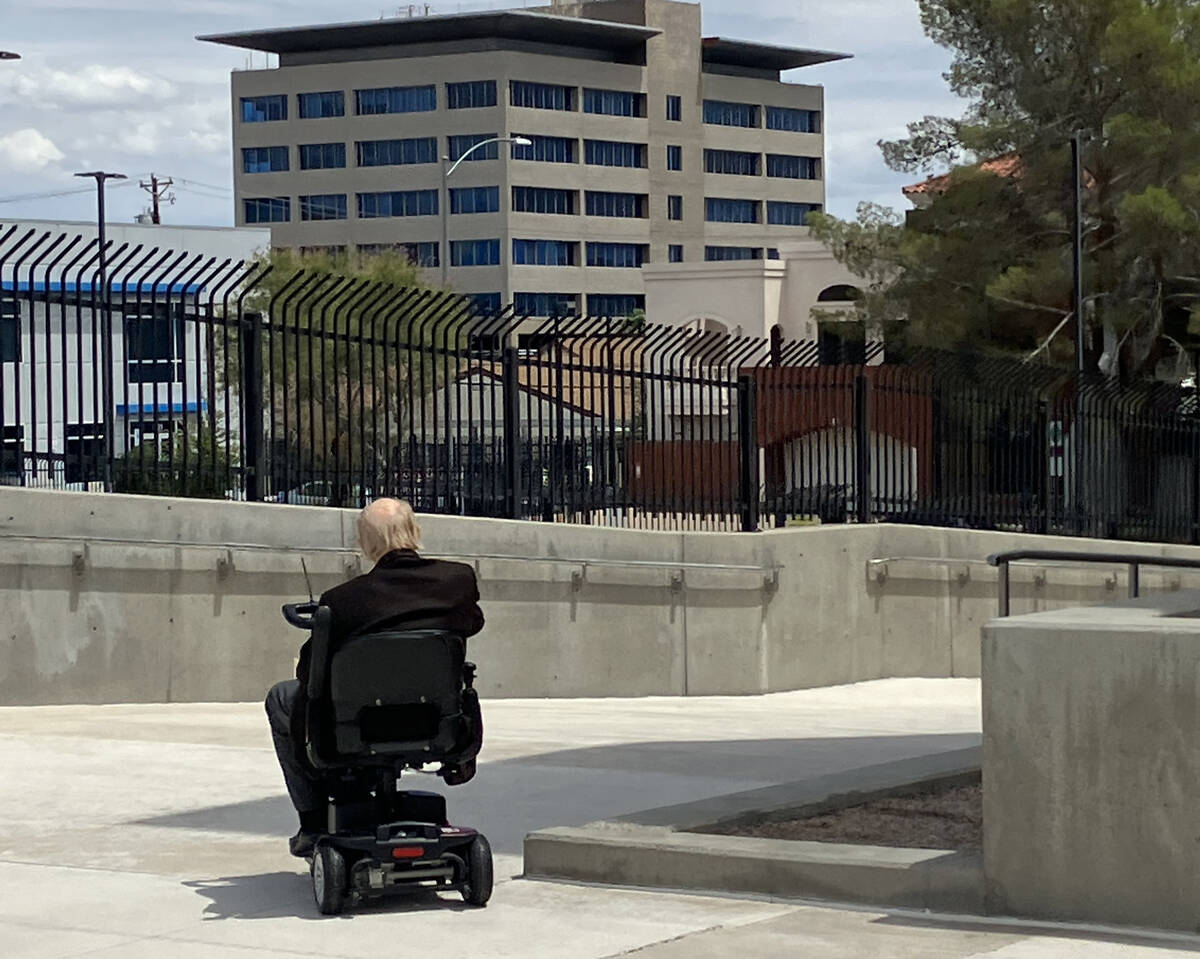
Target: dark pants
[[301, 786]]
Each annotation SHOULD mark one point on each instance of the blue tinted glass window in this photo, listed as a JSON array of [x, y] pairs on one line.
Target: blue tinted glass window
[[674, 158], [270, 209], [395, 152], [313, 106], [733, 253], [545, 304], [730, 211], [614, 103], [675, 253], [422, 254], [793, 167], [674, 108], [732, 161], [599, 203], [790, 214], [398, 203], [264, 109], [544, 253], [624, 255], [420, 99], [614, 153], [264, 159], [486, 302], [535, 199], [615, 304], [457, 146], [797, 121], [730, 114], [546, 149], [323, 206], [475, 253], [470, 95], [475, 199], [674, 208], [322, 156], [541, 96]]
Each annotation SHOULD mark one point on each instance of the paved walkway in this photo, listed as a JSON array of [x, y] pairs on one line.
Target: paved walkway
[[151, 831]]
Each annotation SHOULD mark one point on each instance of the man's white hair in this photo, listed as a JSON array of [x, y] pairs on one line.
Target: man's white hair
[[385, 525]]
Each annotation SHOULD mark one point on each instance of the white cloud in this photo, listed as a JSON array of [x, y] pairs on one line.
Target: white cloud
[[91, 86], [28, 151]]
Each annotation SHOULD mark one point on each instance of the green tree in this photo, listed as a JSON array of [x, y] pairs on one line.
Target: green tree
[[988, 261], [194, 462]]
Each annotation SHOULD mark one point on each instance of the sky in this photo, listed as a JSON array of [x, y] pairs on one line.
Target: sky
[[123, 85]]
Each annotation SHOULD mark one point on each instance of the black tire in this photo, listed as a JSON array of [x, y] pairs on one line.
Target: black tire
[[479, 872], [329, 880]]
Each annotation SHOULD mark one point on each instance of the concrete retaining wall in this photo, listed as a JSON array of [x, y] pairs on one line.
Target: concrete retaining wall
[[86, 617]]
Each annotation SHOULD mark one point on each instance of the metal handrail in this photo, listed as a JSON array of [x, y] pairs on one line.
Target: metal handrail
[[1134, 561]]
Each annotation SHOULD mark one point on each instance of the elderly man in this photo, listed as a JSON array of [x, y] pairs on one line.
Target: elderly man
[[402, 591]]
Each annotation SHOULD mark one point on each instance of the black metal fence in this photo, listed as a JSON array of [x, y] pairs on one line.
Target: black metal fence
[[189, 376]]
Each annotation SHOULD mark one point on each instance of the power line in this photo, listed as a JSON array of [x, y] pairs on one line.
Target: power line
[[207, 186], [53, 194]]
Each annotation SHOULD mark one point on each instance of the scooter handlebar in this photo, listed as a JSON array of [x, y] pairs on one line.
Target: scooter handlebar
[[300, 615]]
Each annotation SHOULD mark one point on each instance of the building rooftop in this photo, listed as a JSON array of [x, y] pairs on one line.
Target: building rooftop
[[505, 24], [743, 53]]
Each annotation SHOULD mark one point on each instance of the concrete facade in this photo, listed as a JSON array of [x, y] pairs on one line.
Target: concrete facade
[[109, 598], [1091, 770], [650, 48]]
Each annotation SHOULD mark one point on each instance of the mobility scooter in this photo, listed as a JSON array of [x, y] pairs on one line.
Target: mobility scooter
[[378, 705]]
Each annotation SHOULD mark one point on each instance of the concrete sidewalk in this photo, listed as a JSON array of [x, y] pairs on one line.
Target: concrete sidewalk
[[150, 831]]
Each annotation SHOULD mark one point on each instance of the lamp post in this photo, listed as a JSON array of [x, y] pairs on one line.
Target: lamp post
[[447, 170], [9, 55], [106, 373]]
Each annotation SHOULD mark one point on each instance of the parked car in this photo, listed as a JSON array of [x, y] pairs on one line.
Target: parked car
[[325, 493]]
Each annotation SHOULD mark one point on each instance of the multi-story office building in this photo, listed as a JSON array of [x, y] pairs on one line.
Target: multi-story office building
[[646, 143]]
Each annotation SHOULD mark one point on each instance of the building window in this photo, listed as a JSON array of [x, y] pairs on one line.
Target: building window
[[264, 159], [470, 95], [546, 149], [674, 108], [536, 199], [793, 167], [545, 253], [10, 330], [674, 158], [796, 121], [85, 452], [12, 452], [398, 203], [475, 253], [675, 253], [541, 96], [475, 199], [313, 106], [733, 253], [422, 254], [730, 114], [734, 162], [396, 152], [371, 102], [719, 210], [614, 153], [623, 255], [674, 208], [614, 103], [323, 206], [457, 147], [790, 214], [545, 304], [322, 156], [267, 209], [154, 345], [486, 302], [615, 304], [630, 205], [264, 109]]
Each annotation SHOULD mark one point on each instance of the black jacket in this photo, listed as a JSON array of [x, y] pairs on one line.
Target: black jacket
[[403, 591]]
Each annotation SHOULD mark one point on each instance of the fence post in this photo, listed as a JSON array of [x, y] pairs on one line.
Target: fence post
[[748, 480], [252, 407], [512, 432], [862, 448]]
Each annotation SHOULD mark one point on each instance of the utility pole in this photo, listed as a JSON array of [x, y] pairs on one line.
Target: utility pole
[[158, 191]]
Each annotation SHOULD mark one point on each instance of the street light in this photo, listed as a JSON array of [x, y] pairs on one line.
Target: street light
[[106, 373], [9, 55], [447, 170]]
